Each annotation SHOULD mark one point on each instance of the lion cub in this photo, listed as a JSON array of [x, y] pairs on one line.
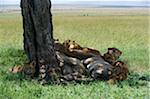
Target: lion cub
[[71, 68], [112, 55], [75, 50], [28, 69], [71, 45], [120, 71]]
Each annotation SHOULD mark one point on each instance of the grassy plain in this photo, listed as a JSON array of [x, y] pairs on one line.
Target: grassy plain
[[126, 30]]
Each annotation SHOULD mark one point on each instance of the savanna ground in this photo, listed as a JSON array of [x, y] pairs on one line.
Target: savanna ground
[[126, 29]]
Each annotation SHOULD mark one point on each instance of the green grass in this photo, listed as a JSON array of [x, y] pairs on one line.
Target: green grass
[[129, 33]]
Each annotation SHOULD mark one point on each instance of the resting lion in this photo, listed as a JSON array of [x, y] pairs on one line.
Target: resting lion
[[99, 69], [112, 55], [28, 69], [78, 63]]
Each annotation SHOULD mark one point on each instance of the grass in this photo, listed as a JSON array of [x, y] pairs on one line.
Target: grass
[[129, 33]]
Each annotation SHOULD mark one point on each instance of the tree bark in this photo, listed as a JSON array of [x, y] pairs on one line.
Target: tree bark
[[38, 37]]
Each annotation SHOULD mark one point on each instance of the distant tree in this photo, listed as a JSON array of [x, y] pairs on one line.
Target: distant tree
[[38, 38]]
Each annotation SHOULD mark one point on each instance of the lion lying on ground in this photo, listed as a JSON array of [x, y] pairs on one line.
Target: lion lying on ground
[[78, 62]]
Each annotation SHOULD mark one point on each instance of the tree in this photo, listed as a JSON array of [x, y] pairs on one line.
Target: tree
[[38, 37]]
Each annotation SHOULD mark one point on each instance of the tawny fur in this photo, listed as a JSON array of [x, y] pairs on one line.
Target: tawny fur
[[112, 55]]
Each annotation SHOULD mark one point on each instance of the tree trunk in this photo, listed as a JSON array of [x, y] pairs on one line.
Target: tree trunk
[[38, 37]]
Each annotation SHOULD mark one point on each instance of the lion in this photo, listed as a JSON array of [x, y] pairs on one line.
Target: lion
[[71, 68], [120, 72], [16, 69], [29, 69], [112, 55], [98, 68], [71, 45], [76, 51]]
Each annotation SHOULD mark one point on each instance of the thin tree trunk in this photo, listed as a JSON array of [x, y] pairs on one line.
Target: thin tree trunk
[[38, 37]]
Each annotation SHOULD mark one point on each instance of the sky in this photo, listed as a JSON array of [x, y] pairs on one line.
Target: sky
[[58, 1]]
